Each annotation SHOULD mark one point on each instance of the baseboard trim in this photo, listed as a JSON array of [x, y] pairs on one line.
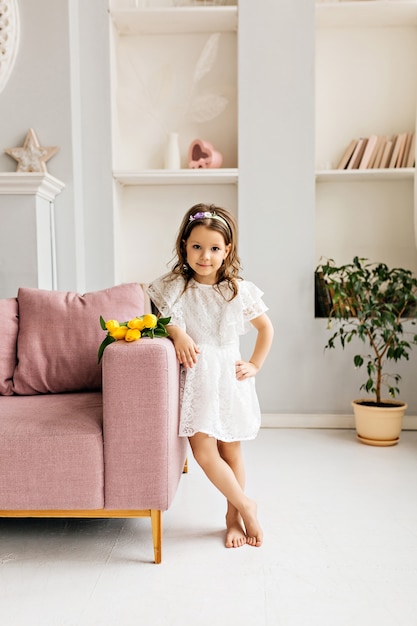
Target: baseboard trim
[[313, 420]]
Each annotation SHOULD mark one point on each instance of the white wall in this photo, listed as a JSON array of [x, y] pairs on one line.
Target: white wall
[[276, 190], [60, 87], [91, 75], [38, 96]]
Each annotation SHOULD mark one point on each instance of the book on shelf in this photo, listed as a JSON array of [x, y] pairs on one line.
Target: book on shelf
[[401, 152], [379, 149], [397, 149], [394, 139], [357, 154], [368, 152], [411, 157], [386, 154], [347, 155], [406, 150]]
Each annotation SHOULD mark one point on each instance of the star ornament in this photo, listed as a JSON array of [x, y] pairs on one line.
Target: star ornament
[[31, 157]]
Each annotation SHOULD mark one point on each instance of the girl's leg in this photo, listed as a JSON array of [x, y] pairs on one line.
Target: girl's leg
[[207, 455], [232, 454]]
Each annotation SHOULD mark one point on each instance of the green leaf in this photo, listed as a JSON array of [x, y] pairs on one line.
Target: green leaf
[[160, 332], [108, 340], [369, 384], [102, 323], [358, 360]]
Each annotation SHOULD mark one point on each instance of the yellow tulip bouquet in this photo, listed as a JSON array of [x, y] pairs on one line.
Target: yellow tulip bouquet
[[144, 326]]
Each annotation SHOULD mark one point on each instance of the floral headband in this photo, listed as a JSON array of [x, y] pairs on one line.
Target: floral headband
[[203, 214]]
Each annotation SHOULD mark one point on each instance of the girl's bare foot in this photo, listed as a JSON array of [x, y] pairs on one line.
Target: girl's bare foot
[[254, 534], [235, 534]]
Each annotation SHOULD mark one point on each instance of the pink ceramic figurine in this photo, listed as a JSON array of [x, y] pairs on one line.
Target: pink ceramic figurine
[[202, 154]]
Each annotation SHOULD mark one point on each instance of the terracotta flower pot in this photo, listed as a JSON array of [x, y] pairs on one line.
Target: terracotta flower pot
[[378, 425]]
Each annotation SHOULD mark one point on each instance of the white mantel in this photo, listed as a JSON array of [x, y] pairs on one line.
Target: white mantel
[[27, 231], [30, 183]]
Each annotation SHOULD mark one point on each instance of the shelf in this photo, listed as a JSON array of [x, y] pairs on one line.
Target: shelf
[[177, 177], [332, 176], [175, 20], [366, 13]]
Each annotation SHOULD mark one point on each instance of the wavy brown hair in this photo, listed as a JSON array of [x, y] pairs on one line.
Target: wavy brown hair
[[229, 271]]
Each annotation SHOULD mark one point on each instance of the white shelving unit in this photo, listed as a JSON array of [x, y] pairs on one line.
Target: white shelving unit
[[155, 56], [221, 176], [366, 13], [374, 175], [366, 83], [158, 20]]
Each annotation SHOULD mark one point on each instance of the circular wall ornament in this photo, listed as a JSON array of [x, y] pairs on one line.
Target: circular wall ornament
[[9, 38]]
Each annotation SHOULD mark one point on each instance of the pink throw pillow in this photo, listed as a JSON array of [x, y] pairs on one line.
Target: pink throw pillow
[[60, 333], [9, 326]]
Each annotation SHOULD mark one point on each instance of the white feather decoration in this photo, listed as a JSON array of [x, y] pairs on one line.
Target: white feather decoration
[[207, 57], [158, 96], [207, 107]]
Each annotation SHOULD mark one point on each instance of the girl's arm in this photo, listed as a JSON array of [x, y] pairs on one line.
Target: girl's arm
[[185, 347], [246, 369]]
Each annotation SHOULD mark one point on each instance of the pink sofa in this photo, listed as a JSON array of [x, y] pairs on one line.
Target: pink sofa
[[78, 439]]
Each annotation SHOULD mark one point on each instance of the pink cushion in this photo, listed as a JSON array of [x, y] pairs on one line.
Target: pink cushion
[[60, 333], [51, 452], [9, 327]]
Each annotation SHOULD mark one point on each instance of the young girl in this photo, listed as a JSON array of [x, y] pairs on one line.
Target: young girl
[[210, 306]]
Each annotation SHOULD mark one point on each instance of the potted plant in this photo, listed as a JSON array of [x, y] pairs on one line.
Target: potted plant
[[372, 303]]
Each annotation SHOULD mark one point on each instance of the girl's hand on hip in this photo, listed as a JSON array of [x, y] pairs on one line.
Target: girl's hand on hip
[[245, 369]]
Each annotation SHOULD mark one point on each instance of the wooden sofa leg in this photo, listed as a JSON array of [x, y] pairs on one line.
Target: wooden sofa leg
[[156, 521], [185, 469], [155, 515]]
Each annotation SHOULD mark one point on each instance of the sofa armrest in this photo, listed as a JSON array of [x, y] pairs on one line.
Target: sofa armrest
[[143, 454]]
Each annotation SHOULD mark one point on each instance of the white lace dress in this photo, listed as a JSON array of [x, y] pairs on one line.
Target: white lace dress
[[213, 401]]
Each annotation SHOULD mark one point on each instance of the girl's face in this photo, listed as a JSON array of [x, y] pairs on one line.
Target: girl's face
[[205, 251]]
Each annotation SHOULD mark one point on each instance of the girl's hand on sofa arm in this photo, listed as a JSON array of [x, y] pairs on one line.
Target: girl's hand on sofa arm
[[185, 347]]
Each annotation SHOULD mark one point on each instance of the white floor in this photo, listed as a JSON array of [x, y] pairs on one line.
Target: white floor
[[340, 521]]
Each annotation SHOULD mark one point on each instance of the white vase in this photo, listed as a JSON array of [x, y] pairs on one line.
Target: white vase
[[172, 157]]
